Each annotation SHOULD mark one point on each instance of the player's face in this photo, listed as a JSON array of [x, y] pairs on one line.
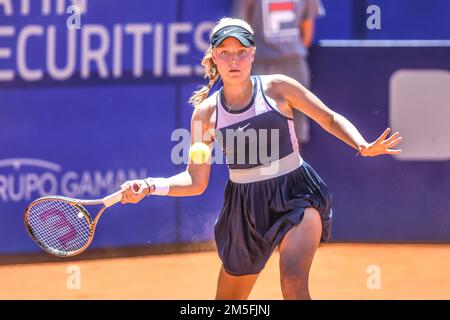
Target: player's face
[[233, 60]]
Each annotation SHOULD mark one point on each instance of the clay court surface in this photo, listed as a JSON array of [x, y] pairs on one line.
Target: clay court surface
[[339, 271]]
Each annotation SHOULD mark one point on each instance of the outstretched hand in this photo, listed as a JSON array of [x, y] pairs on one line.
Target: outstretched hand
[[382, 145]]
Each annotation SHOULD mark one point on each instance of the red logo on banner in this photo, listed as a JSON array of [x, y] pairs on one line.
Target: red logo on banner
[[280, 19], [281, 6]]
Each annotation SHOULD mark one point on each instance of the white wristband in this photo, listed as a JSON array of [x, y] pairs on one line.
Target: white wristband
[[161, 186]]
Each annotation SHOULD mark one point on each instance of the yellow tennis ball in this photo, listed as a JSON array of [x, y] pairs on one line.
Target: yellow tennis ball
[[199, 153]]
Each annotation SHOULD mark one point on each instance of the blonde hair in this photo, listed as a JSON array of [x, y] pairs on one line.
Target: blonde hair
[[210, 67]]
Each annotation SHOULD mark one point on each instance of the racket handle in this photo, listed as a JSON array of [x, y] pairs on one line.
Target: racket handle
[[112, 199]]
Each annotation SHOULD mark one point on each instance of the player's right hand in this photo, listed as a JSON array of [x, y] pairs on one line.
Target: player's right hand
[[134, 191]]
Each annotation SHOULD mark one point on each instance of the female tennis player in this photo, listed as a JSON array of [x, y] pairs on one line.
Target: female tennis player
[[280, 202]]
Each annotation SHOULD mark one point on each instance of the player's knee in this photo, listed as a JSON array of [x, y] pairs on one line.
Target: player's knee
[[293, 271], [295, 286]]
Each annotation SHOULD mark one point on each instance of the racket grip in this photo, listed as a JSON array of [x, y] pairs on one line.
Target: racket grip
[[112, 199]]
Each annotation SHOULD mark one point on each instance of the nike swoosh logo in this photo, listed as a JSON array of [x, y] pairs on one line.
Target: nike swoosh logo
[[242, 129], [225, 32]]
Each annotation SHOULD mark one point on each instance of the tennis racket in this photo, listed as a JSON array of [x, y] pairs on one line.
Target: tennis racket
[[63, 226]]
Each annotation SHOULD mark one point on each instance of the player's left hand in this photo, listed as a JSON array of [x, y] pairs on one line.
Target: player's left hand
[[382, 145]]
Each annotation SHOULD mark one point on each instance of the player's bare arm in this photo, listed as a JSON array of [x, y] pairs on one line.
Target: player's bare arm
[[304, 100], [194, 180]]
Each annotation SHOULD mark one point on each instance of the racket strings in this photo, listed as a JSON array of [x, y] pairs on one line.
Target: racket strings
[[59, 227]]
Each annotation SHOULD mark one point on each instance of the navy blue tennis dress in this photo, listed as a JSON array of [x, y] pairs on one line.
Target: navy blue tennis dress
[[269, 187]]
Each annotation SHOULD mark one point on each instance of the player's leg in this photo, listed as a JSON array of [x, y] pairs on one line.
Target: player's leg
[[231, 287], [297, 251]]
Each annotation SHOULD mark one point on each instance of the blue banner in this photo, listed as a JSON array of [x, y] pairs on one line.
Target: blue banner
[[84, 109]]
